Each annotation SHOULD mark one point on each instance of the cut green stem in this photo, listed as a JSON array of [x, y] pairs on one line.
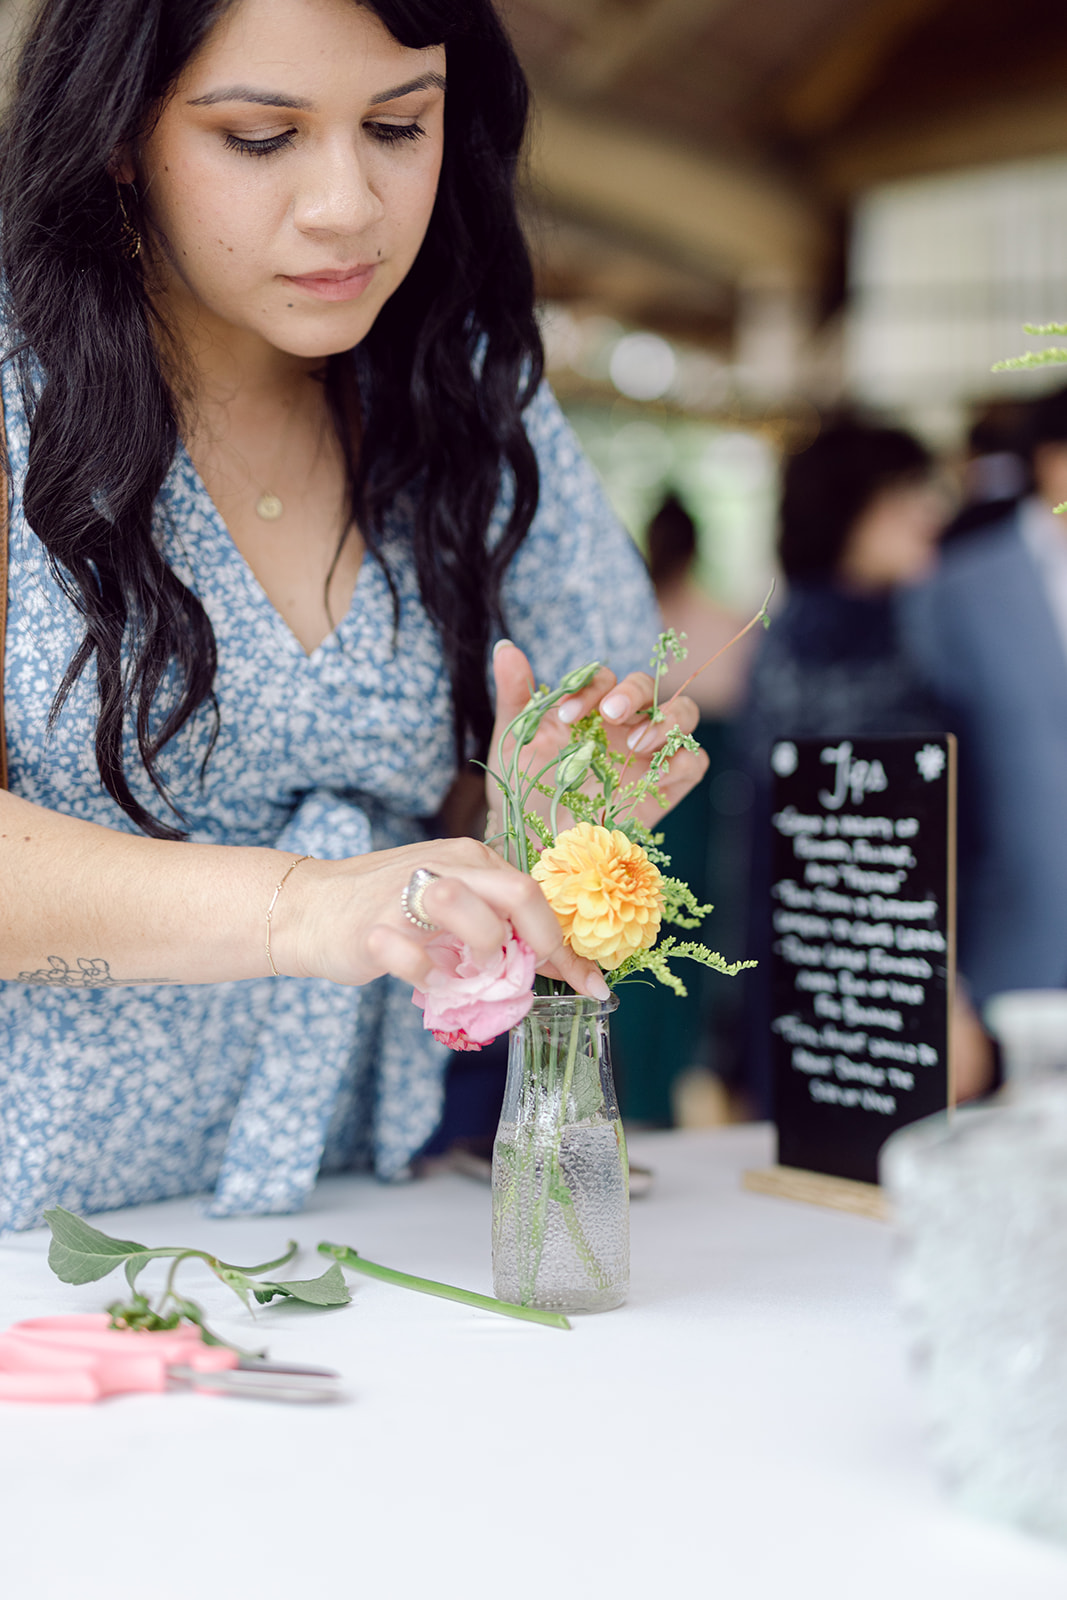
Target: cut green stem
[[444, 1291]]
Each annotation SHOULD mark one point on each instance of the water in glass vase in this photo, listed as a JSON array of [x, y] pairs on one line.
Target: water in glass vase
[[560, 1178], [561, 1244]]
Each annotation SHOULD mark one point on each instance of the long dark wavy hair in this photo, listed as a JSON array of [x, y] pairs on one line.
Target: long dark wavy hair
[[444, 374]]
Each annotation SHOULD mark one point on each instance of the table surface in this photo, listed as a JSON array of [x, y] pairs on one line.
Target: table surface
[[746, 1426]]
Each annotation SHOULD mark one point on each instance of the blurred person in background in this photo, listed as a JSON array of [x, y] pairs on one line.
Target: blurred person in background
[[687, 607], [996, 469], [669, 1052], [861, 514], [989, 630]]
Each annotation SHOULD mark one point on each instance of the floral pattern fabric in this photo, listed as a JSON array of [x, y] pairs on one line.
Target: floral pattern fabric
[[119, 1096]]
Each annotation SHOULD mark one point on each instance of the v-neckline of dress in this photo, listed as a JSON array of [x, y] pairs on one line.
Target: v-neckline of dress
[[261, 598]]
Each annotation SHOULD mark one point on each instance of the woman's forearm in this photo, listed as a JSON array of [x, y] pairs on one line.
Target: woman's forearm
[[86, 907], [82, 906]]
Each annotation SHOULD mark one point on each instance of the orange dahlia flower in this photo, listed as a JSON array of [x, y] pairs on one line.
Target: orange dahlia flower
[[605, 891]]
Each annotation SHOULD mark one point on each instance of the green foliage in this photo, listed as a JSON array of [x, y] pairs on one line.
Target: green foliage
[[670, 644], [538, 825], [1053, 357], [680, 905], [586, 780], [657, 962], [329, 1290], [80, 1253]]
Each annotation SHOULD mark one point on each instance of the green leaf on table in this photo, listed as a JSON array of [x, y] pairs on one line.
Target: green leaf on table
[[82, 1254], [329, 1290]]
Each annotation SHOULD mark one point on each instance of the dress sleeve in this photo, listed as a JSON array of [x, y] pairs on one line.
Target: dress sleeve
[[577, 589]]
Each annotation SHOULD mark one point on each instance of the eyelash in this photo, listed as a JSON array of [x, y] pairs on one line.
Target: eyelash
[[384, 132]]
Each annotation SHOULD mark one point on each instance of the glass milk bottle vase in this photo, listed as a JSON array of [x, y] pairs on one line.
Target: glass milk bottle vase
[[561, 1235]]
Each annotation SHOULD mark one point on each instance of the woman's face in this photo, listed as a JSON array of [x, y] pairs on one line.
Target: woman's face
[[895, 539], [290, 179]]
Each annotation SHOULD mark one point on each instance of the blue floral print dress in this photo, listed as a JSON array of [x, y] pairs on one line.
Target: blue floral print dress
[[118, 1096]]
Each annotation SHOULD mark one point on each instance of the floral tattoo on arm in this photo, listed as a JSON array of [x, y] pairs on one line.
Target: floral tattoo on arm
[[88, 973]]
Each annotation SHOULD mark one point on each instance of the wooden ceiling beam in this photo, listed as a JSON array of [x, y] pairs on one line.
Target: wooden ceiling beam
[[619, 36], [836, 82], [723, 220], [1012, 129]]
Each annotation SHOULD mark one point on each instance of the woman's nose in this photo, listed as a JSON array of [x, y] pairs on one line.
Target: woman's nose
[[337, 195]]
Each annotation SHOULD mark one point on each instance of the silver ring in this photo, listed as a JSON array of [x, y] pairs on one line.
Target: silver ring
[[411, 899]]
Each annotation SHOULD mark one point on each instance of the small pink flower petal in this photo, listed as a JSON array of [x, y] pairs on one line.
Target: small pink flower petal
[[477, 1002], [455, 1041]]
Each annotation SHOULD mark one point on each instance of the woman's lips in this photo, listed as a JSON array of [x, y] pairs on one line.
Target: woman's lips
[[344, 284]]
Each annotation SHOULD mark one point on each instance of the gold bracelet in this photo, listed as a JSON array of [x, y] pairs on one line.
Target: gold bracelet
[[274, 901]]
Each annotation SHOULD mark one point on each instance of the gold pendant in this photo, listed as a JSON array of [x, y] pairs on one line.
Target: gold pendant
[[269, 507]]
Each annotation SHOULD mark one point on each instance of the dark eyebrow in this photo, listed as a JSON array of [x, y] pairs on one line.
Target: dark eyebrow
[[256, 97], [428, 80], [293, 102]]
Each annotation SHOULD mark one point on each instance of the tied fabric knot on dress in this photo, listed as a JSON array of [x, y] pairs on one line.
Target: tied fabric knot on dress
[[411, 899]]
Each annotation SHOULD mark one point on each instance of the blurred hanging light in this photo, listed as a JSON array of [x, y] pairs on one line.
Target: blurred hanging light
[[643, 366]]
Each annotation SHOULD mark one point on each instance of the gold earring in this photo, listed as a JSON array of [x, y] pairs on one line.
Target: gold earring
[[128, 235]]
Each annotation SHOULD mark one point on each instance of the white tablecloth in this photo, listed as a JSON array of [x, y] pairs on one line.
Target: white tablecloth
[[746, 1427]]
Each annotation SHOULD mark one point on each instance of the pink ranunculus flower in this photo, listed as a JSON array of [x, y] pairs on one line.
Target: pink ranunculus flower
[[466, 1006]]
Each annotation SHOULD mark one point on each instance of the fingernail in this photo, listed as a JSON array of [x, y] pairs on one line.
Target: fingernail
[[616, 705], [569, 710], [639, 738], [596, 987], [498, 645]]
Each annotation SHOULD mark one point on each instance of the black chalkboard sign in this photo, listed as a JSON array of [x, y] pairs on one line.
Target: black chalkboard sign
[[863, 937]]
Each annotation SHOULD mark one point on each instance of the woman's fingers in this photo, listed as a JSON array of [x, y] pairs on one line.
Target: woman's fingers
[[628, 699], [514, 679], [404, 956], [585, 977], [626, 706], [477, 905], [450, 903], [647, 737], [520, 899], [576, 706]]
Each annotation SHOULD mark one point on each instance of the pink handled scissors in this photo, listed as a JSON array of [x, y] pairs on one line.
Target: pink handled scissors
[[81, 1358]]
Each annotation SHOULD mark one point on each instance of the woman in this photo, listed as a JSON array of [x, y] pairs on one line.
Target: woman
[[281, 470], [860, 519], [860, 515]]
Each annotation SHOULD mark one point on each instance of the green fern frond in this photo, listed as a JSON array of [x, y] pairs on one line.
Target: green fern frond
[[1045, 329], [681, 906], [1033, 358], [656, 961]]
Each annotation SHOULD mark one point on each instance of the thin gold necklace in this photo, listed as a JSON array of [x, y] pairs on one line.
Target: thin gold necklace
[[269, 505]]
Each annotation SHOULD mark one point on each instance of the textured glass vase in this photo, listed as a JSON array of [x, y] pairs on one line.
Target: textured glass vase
[[561, 1227]]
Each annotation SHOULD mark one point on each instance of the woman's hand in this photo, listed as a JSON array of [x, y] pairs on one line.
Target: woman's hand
[[624, 707], [345, 920]]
